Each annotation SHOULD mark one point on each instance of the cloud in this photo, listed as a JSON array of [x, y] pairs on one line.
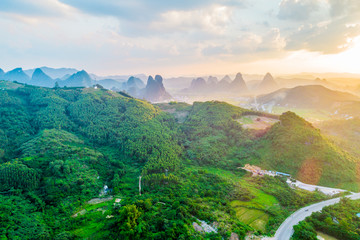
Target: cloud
[[345, 8], [328, 39], [298, 10], [214, 20], [143, 9], [143, 34], [39, 8], [144, 18], [328, 31], [214, 51]]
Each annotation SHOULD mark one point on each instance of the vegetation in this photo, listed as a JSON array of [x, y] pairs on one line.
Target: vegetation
[[339, 220], [294, 146], [344, 133], [62, 147]]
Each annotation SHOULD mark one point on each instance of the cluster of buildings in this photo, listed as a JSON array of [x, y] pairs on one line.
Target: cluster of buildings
[[257, 171]]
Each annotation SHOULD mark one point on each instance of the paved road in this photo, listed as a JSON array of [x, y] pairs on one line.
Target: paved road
[[286, 229], [309, 187]]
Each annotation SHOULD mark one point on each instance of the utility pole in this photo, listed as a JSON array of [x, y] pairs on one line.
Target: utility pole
[[140, 185]]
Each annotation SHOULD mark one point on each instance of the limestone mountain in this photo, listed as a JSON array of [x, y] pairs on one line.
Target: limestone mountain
[[2, 73], [54, 73], [212, 80], [268, 84], [79, 79], [238, 84], [134, 82], [155, 90], [39, 78], [18, 75], [224, 83], [198, 84]]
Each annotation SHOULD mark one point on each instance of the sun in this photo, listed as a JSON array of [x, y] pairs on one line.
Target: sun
[[348, 61]]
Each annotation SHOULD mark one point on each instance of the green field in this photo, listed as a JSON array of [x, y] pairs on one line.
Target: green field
[[253, 217], [253, 212]]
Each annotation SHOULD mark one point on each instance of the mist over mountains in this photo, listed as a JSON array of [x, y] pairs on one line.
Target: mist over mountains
[[291, 91], [153, 91], [311, 96], [228, 86]]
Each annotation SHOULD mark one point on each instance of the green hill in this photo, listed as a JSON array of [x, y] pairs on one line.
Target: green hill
[[294, 146], [344, 133], [71, 158]]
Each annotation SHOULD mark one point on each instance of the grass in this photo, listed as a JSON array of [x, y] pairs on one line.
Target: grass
[[91, 207], [253, 217], [91, 227], [246, 120], [250, 212], [253, 212]]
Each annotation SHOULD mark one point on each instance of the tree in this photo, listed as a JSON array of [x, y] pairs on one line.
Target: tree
[[127, 221], [304, 231]]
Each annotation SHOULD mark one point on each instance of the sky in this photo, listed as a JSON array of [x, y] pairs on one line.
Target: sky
[[181, 37]]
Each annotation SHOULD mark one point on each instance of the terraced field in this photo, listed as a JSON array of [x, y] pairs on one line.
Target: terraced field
[[253, 212]]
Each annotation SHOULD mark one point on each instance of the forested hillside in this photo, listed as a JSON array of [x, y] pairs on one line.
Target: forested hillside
[[71, 158], [340, 220], [294, 146]]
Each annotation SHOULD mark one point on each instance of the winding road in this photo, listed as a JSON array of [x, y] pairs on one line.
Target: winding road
[[286, 229]]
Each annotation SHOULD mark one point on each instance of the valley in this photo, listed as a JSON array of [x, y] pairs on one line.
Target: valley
[[179, 120], [187, 155]]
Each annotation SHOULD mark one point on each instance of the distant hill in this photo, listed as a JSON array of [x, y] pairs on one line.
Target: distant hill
[[311, 96], [268, 84], [238, 85], [18, 75], [79, 79], [224, 84], [198, 84], [53, 72], [214, 86], [39, 78], [155, 90], [134, 82], [134, 86], [2, 73], [176, 84]]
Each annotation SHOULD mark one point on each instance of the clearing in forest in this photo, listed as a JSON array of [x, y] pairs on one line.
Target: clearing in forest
[[256, 122]]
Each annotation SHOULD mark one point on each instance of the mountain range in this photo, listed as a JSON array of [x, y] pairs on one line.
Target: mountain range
[[69, 77], [213, 85], [235, 87], [54, 73]]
